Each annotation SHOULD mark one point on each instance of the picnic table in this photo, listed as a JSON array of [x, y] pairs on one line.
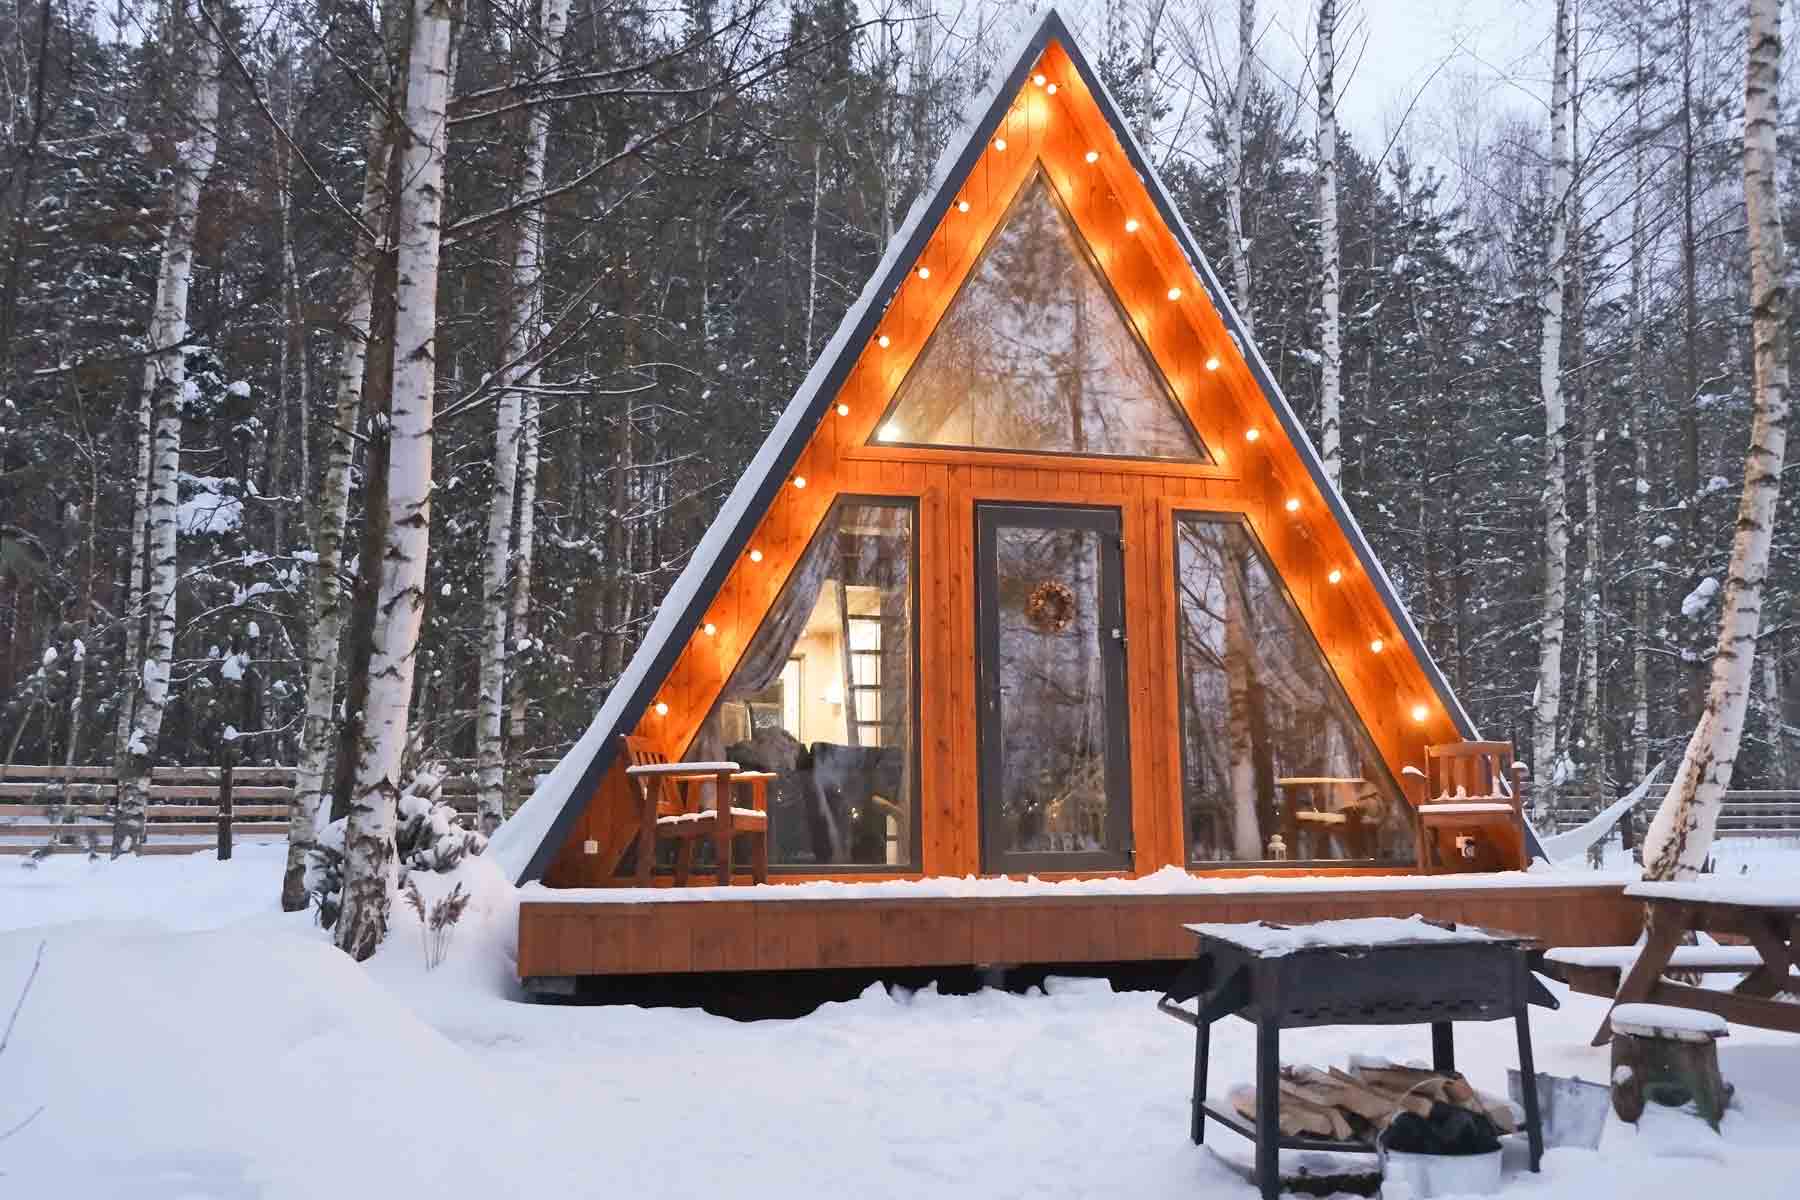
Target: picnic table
[[1767, 918], [1363, 971]]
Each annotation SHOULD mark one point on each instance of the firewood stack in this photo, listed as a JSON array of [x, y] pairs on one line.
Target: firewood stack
[[1355, 1105]]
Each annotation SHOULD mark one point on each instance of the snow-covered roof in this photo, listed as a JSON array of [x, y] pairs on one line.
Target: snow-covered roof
[[525, 845]]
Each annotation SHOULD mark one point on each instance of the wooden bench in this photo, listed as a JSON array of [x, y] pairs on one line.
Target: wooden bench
[[1598, 970]]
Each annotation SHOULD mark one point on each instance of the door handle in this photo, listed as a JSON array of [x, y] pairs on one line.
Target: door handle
[[1118, 635]]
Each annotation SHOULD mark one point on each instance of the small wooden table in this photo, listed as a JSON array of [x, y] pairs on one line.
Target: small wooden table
[[1768, 918], [1371, 971], [1349, 819]]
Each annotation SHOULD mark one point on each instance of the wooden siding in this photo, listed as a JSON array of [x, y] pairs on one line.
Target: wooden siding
[[559, 938], [1253, 479]]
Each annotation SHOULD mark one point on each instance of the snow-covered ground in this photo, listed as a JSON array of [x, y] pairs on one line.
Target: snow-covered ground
[[186, 1041]]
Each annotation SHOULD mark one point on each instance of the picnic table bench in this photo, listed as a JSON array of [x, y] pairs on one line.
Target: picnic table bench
[[1765, 920]]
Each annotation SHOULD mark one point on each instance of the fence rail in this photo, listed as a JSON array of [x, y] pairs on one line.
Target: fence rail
[[1750, 813], [189, 809]]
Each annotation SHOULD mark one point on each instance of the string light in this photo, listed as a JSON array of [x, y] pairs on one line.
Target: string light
[[662, 710], [800, 482], [1131, 227], [1376, 646], [1420, 712], [1212, 364], [756, 556], [1250, 435], [1293, 504], [709, 629], [1175, 293], [882, 341], [962, 206], [1093, 156], [1051, 89], [1039, 79], [1336, 576], [843, 410], [999, 143], [924, 272]]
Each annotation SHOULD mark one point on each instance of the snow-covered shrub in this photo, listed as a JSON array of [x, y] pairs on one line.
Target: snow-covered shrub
[[428, 836]]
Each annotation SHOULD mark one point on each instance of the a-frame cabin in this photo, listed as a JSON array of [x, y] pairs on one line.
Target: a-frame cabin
[[1038, 574]]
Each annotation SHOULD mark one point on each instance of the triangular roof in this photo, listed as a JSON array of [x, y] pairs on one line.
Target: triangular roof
[[527, 843]]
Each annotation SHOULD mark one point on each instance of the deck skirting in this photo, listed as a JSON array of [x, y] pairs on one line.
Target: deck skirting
[[585, 938]]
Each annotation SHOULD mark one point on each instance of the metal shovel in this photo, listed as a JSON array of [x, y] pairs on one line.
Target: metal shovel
[[1573, 1110]]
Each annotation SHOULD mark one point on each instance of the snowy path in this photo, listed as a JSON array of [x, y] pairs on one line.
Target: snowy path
[[188, 1042]]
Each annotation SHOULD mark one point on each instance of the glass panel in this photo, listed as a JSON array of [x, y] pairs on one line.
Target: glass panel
[[824, 696], [1052, 729], [1034, 354], [1271, 747]]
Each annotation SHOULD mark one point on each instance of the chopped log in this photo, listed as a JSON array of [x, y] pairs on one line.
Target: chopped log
[[1670, 1056], [1414, 1103], [1295, 1117]]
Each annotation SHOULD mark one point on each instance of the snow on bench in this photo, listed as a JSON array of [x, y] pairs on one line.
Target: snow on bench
[[1686, 958], [1458, 808], [1668, 1022], [1756, 893]]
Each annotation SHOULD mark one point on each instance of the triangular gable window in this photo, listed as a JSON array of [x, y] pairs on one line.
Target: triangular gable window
[[1035, 355]]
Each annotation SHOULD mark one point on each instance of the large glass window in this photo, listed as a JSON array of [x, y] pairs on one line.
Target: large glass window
[[1034, 354], [1271, 747], [824, 696]]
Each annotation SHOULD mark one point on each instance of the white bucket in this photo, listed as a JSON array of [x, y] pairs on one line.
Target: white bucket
[[1427, 1175]]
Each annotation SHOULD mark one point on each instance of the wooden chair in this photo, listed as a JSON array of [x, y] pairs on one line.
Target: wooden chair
[[670, 808], [1468, 808]]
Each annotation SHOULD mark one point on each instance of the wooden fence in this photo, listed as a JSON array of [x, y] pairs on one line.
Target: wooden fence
[[1747, 814], [190, 808]]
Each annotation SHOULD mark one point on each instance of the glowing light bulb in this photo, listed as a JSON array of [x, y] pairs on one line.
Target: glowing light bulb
[[924, 272], [1131, 227], [1212, 364], [756, 556], [1175, 293], [1336, 576], [1039, 79], [882, 341], [709, 629], [1420, 712], [962, 206], [1051, 89], [1250, 435], [800, 482], [1093, 156], [1293, 504], [999, 143], [890, 432], [662, 710], [1376, 646], [843, 410]]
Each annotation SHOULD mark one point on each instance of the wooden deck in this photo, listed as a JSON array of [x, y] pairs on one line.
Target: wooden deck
[[583, 937]]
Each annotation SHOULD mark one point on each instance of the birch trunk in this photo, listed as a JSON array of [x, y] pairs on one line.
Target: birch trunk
[[1330, 347], [516, 348], [1548, 702], [165, 382], [1771, 689], [1146, 114], [1234, 190], [369, 855], [1680, 838], [324, 633]]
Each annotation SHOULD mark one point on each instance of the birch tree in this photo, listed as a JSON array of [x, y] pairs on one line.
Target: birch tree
[[369, 856], [1548, 701], [518, 348], [1680, 837], [326, 628], [164, 392], [1330, 343]]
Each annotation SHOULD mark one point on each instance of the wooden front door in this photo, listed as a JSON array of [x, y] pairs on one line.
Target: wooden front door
[[1050, 656]]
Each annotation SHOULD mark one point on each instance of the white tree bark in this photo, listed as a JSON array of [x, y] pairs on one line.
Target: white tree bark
[[1240, 654], [1234, 186], [1146, 80], [1330, 344], [519, 344], [1640, 439], [325, 631], [1680, 838], [1548, 702], [165, 382], [369, 856]]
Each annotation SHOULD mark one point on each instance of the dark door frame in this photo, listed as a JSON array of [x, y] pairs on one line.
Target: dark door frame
[[1108, 523]]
